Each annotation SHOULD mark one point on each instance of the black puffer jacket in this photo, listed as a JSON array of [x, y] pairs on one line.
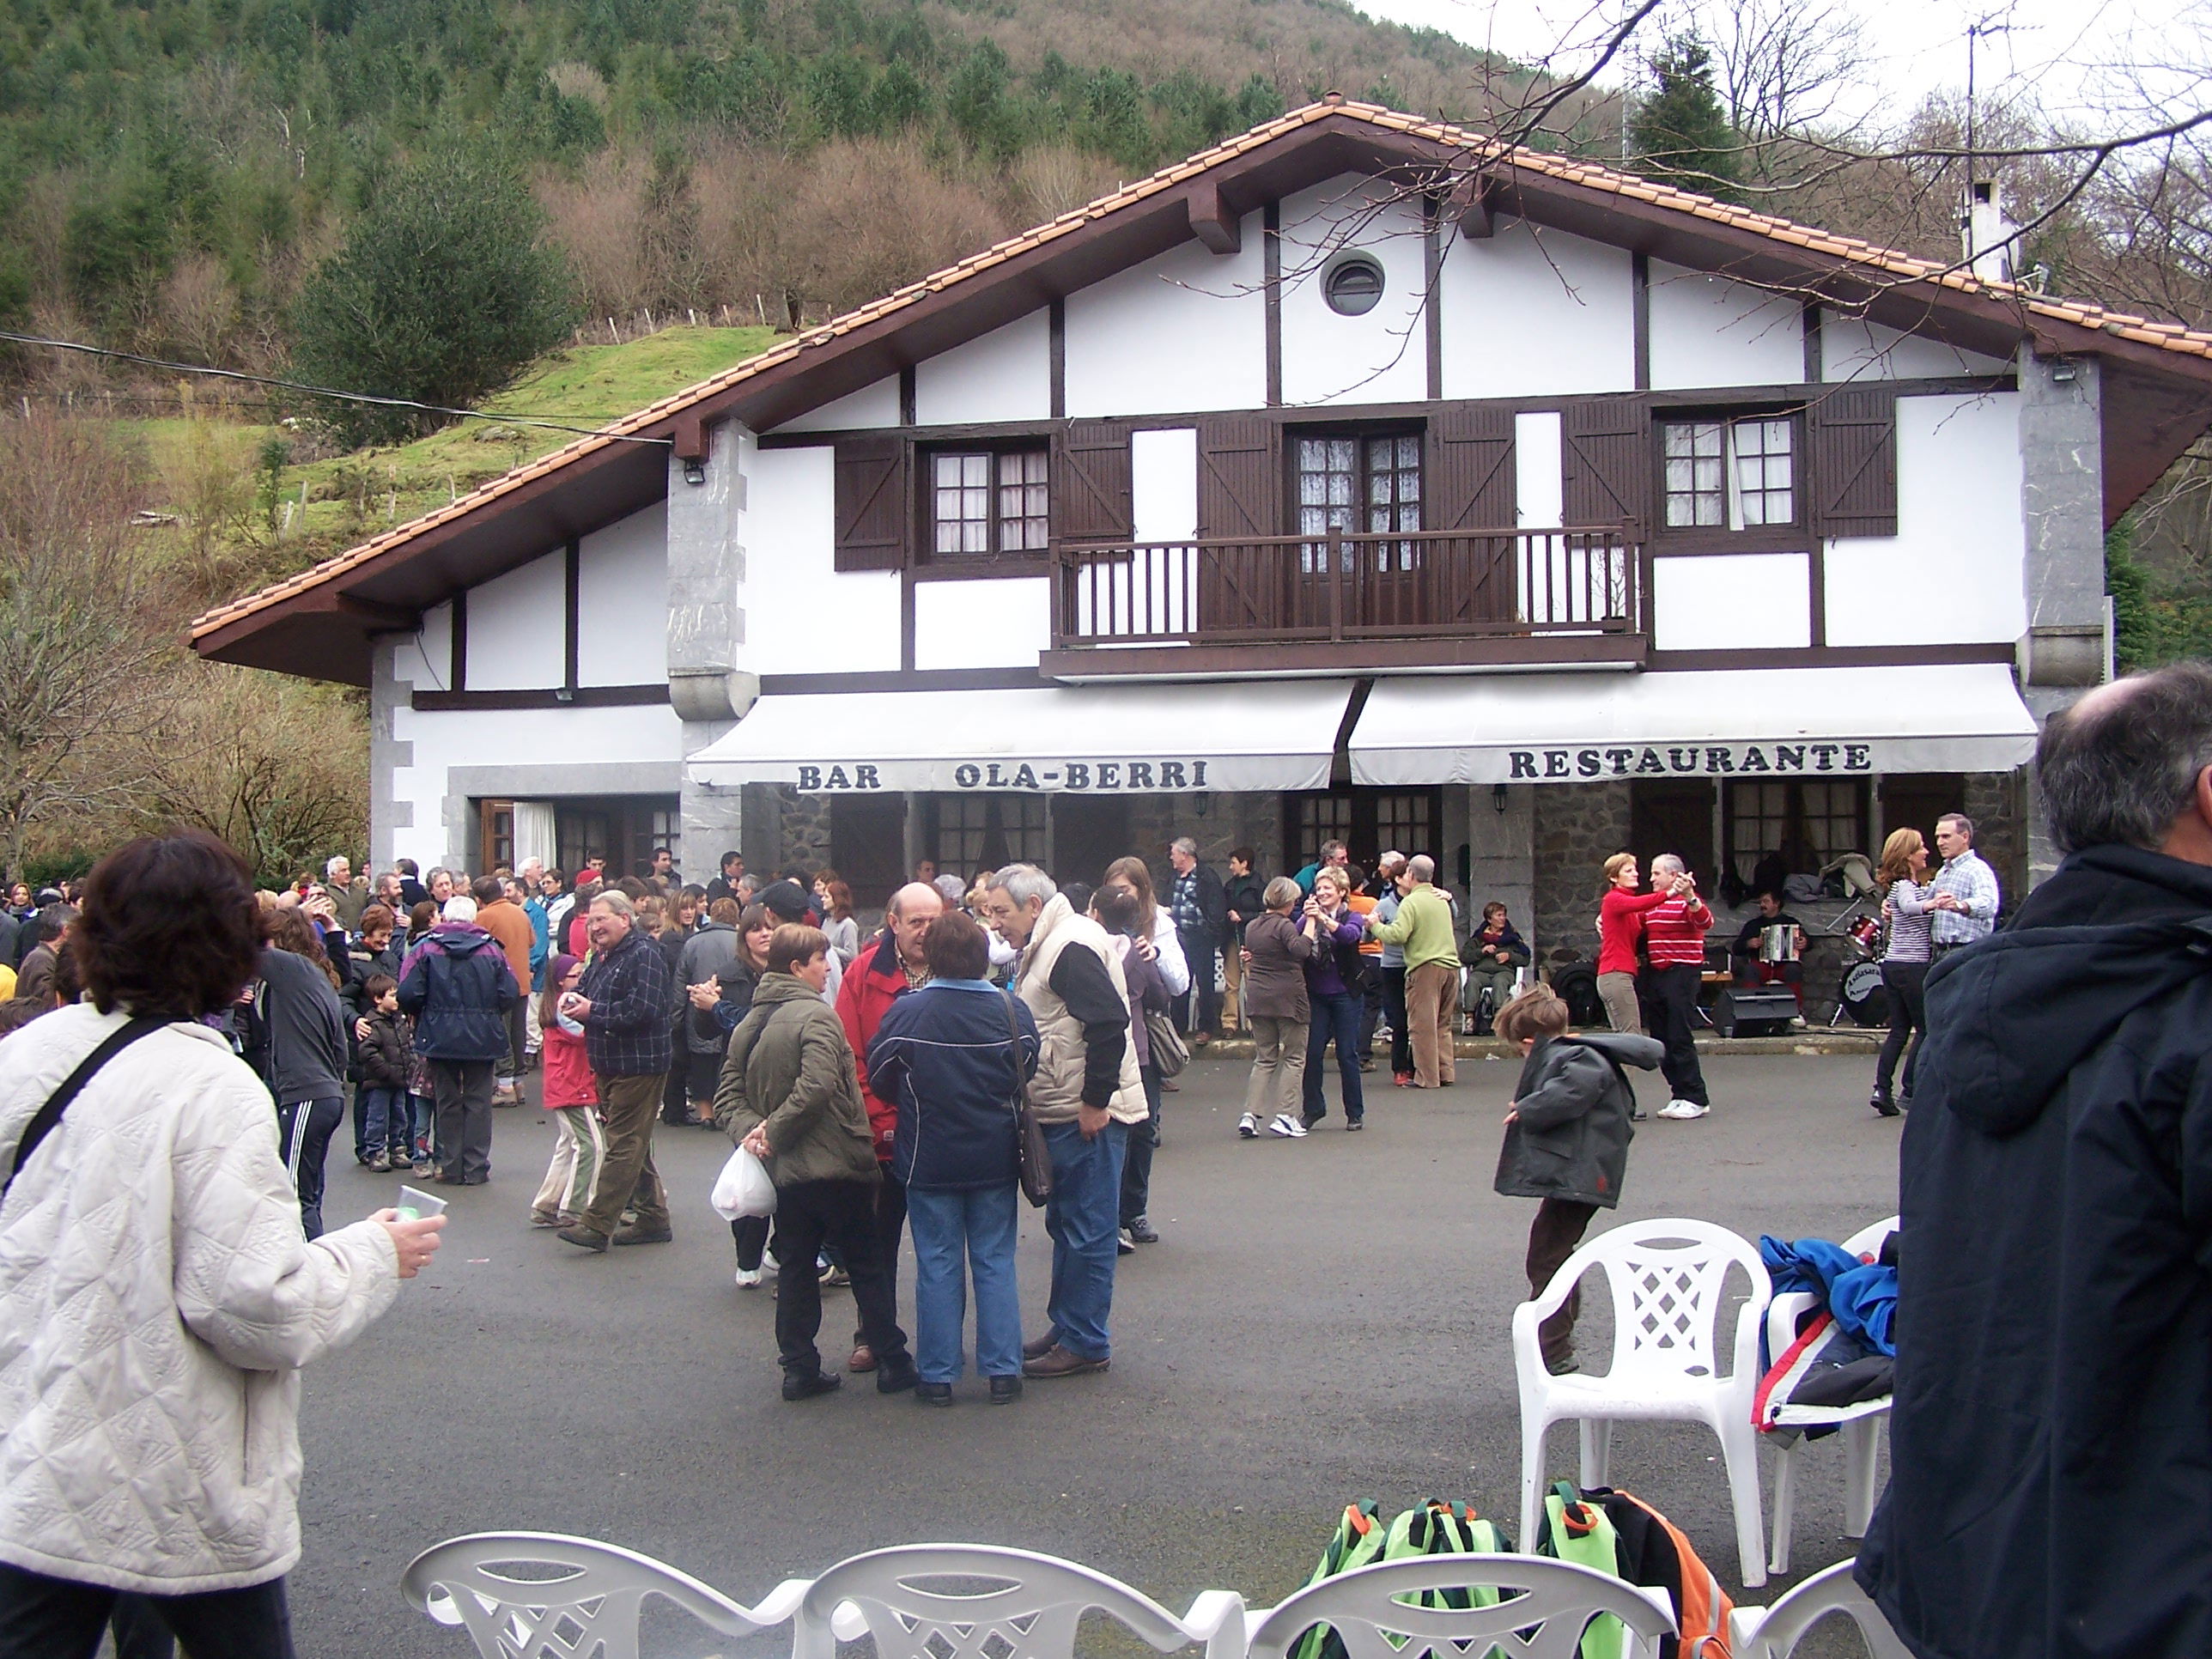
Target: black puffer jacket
[[1569, 1134], [2051, 1484]]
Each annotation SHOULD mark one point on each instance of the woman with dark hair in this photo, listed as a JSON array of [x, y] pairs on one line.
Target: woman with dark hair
[[953, 1058], [192, 1297], [1152, 933], [296, 1037], [717, 1005]]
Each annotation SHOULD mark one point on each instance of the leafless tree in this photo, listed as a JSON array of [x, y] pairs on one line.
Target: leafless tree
[[1784, 69], [81, 640]]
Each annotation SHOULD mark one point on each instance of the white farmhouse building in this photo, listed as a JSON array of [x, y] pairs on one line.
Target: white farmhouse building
[[1350, 478]]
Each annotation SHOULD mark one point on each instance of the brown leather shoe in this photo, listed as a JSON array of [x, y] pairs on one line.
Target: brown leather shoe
[[1058, 1362], [863, 1359], [1038, 1347]]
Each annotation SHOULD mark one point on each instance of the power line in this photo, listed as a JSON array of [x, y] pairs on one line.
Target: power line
[[323, 391]]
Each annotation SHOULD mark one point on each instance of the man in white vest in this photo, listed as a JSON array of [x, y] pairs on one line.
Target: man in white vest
[[1086, 1095]]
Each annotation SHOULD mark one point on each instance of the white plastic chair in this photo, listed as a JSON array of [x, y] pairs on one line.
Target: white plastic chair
[[1774, 1632], [590, 1607], [1369, 1607], [1031, 1614], [1860, 1424], [1666, 1279]]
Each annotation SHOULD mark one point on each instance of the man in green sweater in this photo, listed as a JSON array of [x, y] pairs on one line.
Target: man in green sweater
[[1423, 929]]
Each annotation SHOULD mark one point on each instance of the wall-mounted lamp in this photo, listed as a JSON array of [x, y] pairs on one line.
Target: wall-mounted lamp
[[565, 694], [2063, 372], [1498, 796], [695, 469]]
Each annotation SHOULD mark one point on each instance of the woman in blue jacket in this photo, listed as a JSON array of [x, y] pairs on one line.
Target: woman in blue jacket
[[953, 1059]]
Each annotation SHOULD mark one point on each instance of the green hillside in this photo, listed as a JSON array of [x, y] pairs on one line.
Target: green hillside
[[170, 171]]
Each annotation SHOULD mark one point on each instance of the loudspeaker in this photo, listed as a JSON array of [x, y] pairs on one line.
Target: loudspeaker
[[1754, 1011]]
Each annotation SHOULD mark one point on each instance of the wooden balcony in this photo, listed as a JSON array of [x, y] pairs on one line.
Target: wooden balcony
[[1348, 604]]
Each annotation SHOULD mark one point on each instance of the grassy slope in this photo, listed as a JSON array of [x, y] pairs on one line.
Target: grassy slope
[[351, 497]]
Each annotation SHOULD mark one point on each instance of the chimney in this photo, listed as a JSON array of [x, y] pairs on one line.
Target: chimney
[[1988, 235]]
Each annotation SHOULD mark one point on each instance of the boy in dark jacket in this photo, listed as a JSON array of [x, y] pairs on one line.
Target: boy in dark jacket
[[387, 1061], [1566, 1141]]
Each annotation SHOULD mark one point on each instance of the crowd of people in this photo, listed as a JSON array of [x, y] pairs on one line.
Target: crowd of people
[[165, 1271]]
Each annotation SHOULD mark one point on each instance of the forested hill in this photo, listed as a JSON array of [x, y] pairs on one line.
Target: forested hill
[[169, 172]]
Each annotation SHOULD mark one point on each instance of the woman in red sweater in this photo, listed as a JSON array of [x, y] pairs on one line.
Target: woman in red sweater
[[1619, 923]]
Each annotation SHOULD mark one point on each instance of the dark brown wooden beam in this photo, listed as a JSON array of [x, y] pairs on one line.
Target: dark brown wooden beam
[[381, 618], [1472, 206], [1213, 220], [1325, 657]]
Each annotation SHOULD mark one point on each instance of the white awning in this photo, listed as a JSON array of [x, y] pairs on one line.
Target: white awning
[[1248, 735], [1788, 722]]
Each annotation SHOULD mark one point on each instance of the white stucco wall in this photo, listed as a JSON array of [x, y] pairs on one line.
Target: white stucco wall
[[621, 602], [517, 628], [1539, 485], [1954, 571], [982, 624], [1186, 330], [802, 616], [1535, 313], [1163, 483], [536, 738], [1731, 601], [1709, 331], [1380, 357], [871, 406], [1005, 375], [1856, 349], [426, 660]]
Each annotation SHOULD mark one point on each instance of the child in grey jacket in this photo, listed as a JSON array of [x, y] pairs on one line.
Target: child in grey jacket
[[1566, 1141]]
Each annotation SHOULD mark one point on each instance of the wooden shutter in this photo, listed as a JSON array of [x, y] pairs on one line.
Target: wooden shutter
[[873, 518], [1240, 486], [1850, 440], [1470, 483], [1091, 499], [1607, 463]]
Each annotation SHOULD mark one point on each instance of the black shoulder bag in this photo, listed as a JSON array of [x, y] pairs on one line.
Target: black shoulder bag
[[1032, 1157], [49, 1116]]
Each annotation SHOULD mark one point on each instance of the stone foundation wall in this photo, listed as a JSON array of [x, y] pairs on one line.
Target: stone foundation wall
[[1578, 827], [1997, 803], [804, 838]]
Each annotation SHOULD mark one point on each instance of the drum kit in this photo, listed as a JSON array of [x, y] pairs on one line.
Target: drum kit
[[1865, 999]]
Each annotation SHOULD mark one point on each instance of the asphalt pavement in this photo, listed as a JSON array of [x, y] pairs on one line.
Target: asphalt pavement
[[1323, 1321]]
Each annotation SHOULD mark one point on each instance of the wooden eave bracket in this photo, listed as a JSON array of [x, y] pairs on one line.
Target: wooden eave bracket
[[382, 618], [1213, 219], [1473, 205], [689, 434]]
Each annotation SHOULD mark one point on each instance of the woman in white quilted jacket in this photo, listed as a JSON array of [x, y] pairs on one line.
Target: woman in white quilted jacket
[[157, 1296]]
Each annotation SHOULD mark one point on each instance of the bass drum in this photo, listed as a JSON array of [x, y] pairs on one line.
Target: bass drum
[[1866, 999], [1577, 986]]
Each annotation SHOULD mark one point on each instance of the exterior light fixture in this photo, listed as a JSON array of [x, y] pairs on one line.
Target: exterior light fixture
[[695, 469]]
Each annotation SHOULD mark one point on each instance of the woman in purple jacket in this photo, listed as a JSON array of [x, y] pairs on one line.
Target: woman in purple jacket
[[1332, 988]]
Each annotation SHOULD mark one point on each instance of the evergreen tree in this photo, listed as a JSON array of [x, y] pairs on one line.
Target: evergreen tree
[[1677, 132], [442, 293]]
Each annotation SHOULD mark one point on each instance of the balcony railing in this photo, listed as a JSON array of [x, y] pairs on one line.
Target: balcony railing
[[1430, 585]]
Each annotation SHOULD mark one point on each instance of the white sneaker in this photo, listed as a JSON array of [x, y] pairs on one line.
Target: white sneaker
[[1248, 1127], [1287, 1126], [749, 1278], [1683, 1108]]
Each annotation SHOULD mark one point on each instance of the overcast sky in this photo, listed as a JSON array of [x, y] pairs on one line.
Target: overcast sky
[[2061, 54]]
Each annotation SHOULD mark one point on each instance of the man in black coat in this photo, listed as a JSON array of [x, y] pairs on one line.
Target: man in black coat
[[458, 988], [1200, 910], [2051, 1483]]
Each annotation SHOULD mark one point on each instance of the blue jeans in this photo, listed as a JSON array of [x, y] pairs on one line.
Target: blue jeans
[[957, 1233], [387, 1121], [1082, 1215], [1336, 1017]]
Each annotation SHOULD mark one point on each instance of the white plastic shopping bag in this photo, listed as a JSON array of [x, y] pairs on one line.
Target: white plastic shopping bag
[[743, 1188]]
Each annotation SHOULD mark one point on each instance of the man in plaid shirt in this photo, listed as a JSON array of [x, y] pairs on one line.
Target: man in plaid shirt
[[1965, 905], [1674, 942], [623, 1006]]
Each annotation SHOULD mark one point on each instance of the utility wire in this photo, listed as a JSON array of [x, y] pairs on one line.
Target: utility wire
[[323, 391]]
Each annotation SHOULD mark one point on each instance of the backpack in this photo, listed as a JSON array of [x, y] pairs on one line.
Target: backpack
[[1649, 1550], [1361, 1537]]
